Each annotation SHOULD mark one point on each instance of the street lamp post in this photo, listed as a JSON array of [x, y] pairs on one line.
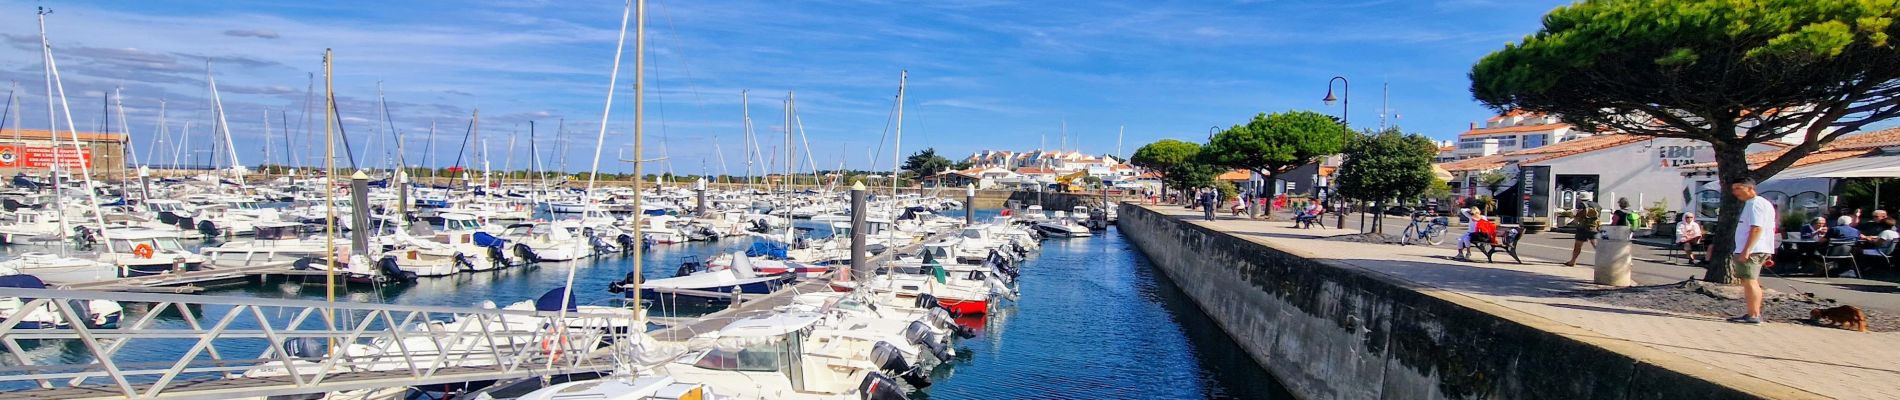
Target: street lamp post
[[1345, 118], [1210, 133]]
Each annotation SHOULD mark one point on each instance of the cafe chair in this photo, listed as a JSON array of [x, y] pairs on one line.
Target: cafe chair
[[1835, 253], [1885, 252]]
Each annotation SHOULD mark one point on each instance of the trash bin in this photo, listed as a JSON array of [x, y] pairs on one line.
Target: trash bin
[[1613, 257]]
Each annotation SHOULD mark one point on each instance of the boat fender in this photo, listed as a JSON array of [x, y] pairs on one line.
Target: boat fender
[[877, 386]]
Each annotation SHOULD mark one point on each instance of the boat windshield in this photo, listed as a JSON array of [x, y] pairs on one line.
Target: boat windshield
[[761, 357], [244, 205], [169, 244], [973, 233], [457, 224]]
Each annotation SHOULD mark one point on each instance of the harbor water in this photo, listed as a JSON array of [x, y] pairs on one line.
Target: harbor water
[[1095, 321]]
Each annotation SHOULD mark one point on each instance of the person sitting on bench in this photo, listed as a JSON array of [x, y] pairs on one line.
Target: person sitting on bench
[[1474, 232], [1305, 218]]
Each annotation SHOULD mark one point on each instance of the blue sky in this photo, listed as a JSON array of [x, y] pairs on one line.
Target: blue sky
[[983, 74]]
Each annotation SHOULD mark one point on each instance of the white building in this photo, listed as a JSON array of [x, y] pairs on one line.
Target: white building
[[1513, 131]]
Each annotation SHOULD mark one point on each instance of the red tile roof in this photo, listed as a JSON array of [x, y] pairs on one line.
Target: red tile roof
[[1035, 170], [1235, 175], [1576, 146], [1849, 146], [1485, 163]]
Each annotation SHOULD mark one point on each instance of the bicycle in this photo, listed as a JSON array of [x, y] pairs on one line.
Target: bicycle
[[1420, 230]]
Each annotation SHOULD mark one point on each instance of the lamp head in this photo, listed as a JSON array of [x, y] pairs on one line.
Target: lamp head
[[1329, 96]]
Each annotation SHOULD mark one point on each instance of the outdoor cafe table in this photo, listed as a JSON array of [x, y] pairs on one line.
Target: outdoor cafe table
[[1801, 250]]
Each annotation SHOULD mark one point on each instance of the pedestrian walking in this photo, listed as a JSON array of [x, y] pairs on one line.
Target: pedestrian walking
[[1588, 221], [1207, 204], [1754, 247]]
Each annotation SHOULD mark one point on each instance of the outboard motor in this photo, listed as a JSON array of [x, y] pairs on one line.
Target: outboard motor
[[921, 335], [526, 253], [393, 272], [889, 359], [208, 228], [944, 319], [688, 268], [626, 242], [927, 301], [600, 245], [462, 262], [877, 386], [619, 286], [303, 347]]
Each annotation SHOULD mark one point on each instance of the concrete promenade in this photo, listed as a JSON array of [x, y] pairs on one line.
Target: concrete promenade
[[1775, 360]]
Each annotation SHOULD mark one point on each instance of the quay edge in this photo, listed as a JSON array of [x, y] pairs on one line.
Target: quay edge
[[1329, 330]]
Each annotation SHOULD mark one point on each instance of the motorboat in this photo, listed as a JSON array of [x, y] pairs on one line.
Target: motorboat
[[541, 241], [693, 280], [59, 270], [779, 356], [142, 252], [1063, 226], [274, 243], [98, 313]]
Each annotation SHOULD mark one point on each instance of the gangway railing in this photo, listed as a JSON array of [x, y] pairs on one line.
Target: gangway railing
[[194, 346]]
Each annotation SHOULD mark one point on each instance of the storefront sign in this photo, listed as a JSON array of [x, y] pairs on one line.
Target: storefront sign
[[41, 157], [1674, 156]]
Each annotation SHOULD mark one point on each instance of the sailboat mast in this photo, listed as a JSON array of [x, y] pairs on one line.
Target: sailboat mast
[[600, 140], [119, 102], [266, 165], [639, 137], [85, 170], [897, 147], [329, 189], [746, 106], [789, 98], [217, 102], [52, 122]]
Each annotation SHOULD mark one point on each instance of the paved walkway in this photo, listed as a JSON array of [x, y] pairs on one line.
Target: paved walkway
[[1823, 362], [1655, 265]]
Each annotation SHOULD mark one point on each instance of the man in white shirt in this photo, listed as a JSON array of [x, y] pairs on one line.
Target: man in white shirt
[[1754, 247]]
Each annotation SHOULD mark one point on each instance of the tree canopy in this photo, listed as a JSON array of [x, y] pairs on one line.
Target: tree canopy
[[1274, 144], [1178, 163], [1387, 165], [926, 163], [1164, 154], [1727, 72], [1730, 73]]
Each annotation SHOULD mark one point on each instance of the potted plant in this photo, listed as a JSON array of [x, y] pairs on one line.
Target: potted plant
[[1657, 218], [1535, 224]]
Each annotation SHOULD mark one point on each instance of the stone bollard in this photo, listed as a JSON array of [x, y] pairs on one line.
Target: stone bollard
[[1613, 257]]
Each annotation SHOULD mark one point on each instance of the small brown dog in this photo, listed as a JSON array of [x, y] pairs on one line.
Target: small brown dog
[[1844, 317]]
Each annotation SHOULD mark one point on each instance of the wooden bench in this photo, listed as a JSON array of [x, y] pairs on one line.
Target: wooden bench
[[1507, 245]]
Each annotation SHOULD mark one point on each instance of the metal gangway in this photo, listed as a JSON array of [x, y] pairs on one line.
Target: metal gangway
[[218, 347]]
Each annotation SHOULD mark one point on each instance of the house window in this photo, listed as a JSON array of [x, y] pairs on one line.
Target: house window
[[1535, 141]]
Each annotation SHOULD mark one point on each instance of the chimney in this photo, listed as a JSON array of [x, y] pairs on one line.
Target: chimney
[[1474, 125]]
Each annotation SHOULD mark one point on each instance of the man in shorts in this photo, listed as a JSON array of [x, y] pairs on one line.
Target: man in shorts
[[1754, 247]]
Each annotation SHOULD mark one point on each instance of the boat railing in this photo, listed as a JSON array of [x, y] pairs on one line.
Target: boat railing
[[226, 347]]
